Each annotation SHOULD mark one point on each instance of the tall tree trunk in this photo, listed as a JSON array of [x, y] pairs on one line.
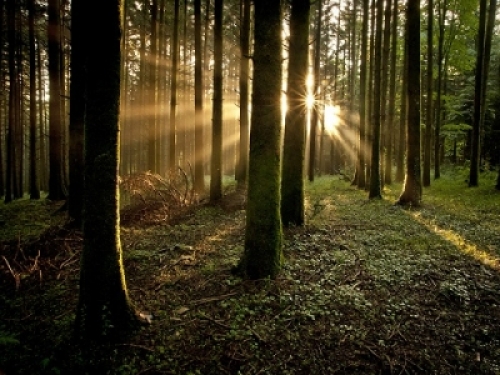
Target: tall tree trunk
[[152, 103], [13, 83], [439, 86], [375, 178], [429, 110], [292, 183], [244, 92], [199, 173], [363, 149], [478, 97], [173, 90], [56, 187], [77, 112], [315, 108], [34, 186], [392, 96], [216, 162], [412, 189], [264, 236], [42, 115], [104, 307], [2, 87], [386, 45]]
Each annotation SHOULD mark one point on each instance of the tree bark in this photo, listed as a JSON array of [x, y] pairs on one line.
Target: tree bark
[[412, 189], [292, 183], [216, 162], [173, 90], [104, 308], [199, 173], [263, 236], [429, 108]]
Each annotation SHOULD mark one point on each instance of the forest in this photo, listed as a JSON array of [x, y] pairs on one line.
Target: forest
[[249, 187]]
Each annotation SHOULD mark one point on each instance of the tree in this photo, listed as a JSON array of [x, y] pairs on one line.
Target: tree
[[429, 108], [199, 174], [56, 181], [104, 306], [263, 235], [216, 162], [77, 113], [292, 183], [34, 186], [375, 178], [173, 89], [315, 84], [244, 97], [412, 189]]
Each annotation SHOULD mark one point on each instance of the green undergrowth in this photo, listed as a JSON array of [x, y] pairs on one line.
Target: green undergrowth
[[367, 287]]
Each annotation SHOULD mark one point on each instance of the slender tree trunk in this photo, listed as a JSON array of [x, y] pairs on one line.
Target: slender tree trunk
[[244, 92], [199, 173], [13, 83], [392, 97], [412, 190], [386, 136], [314, 110], [2, 87], [439, 85], [429, 108], [363, 149], [375, 178], [216, 162], [478, 98], [56, 187], [263, 236], [77, 112], [152, 102], [104, 309], [173, 89], [42, 115], [292, 183], [34, 186]]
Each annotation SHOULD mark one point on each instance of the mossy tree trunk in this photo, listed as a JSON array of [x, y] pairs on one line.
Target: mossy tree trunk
[[104, 307], [412, 189], [263, 237], [292, 183]]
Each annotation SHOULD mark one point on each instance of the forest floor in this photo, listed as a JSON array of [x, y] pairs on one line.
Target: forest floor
[[367, 287]]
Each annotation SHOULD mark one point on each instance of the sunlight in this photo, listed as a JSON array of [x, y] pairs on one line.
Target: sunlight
[[461, 243], [332, 118], [310, 99]]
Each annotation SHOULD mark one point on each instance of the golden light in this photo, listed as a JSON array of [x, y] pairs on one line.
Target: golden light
[[310, 100], [332, 118]]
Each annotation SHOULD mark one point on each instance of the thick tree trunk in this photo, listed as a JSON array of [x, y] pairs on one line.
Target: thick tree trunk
[[264, 237], [292, 183], [412, 190], [104, 308]]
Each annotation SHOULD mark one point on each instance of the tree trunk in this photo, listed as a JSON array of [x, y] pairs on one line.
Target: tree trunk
[[199, 173], [264, 237], [152, 103], [292, 183], [34, 185], [216, 162], [392, 97], [173, 90], [375, 178], [412, 190], [363, 149], [314, 110], [13, 83], [104, 308], [429, 110], [77, 112], [244, 92], [386, 138], [56, 187]]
